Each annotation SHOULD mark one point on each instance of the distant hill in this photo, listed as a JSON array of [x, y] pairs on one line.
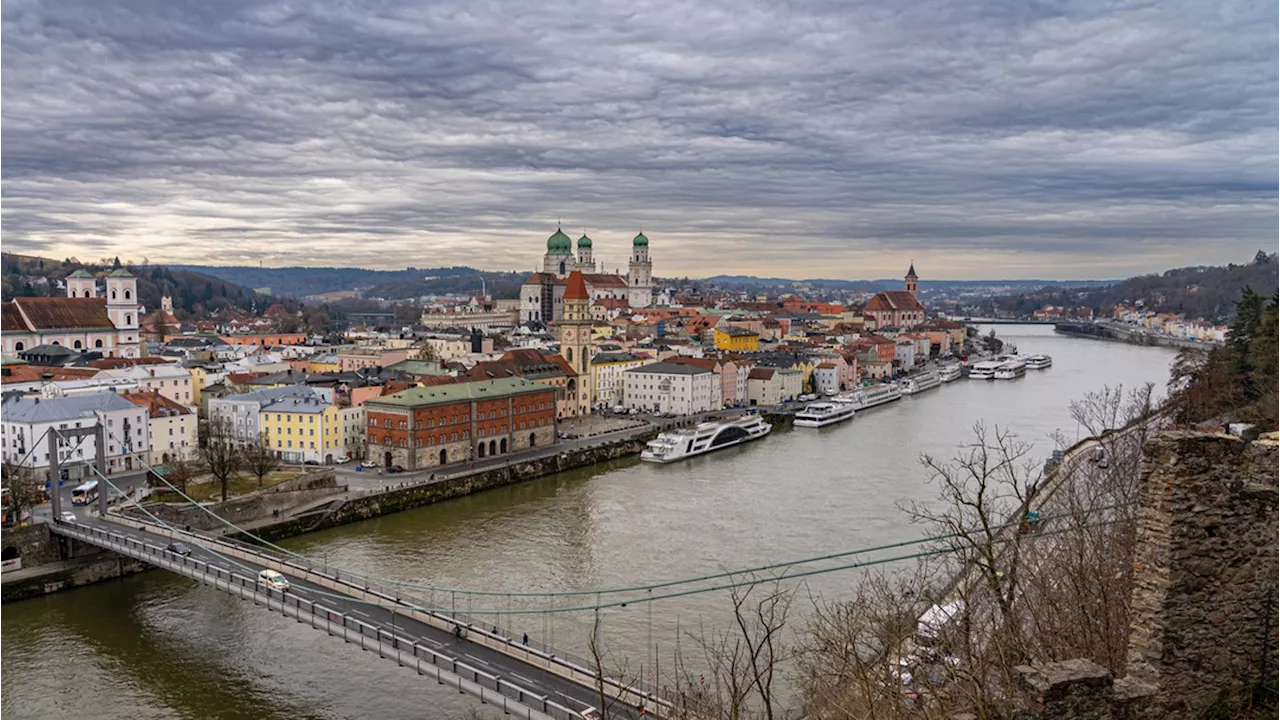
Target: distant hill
[[1207, 292], [892, 283], [388, 284], [32, 276]]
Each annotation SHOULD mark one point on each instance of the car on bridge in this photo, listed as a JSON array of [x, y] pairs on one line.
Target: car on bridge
[[273, 580], [178, 548], [66, 517]]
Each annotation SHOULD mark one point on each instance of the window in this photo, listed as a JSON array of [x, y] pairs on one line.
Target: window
[[127, 294], [77, 345], [20, 347]]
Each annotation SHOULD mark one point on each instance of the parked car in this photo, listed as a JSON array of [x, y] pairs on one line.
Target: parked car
[[368, 464], [342, 461], [311, 462], [395, 469], [178, 548], [273, 580]]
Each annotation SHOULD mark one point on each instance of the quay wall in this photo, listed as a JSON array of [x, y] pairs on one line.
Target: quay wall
[[51, 563], [1111, 332]]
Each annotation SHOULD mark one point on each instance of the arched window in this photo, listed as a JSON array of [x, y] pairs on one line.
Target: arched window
[[77, 345], [128, 295], [55, 342], [113, 294], [97, 343], [19, 347], [568, 355], [128, 319], [86, 293]]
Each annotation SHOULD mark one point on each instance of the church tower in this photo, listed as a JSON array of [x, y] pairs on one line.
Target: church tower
[[910, 283], [585, 263], [81, 284], [640, 274], [122, 308], [574, 332], [559, 258]]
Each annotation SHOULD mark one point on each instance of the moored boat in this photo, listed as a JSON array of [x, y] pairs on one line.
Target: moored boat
[[870, 396], [947, 373], [1011, 370], [1039, 362], [919, 383], [985, 370], [821, 414], [705, 437]]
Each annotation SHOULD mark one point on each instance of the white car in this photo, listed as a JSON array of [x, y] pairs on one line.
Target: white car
[[368, 464], [67, 517], [273, 580]]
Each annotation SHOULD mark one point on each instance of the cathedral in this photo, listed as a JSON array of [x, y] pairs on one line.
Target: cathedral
[[542, 295]]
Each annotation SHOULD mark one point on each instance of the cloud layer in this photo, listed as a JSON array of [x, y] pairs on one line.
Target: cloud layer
[[1013, 139]]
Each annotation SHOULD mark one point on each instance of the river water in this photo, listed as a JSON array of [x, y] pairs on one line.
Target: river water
[[158, 646]]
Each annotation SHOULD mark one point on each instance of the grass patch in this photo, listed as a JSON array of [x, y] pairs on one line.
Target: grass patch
[[208, 489]]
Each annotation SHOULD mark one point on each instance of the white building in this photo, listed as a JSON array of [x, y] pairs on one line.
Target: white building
[[826, 378], [607, 371], [240, 412], [169, 379], [82, 321], [670, 388], [353, 431], [904, 351], [172, 427], [770, 386], [26, 421]]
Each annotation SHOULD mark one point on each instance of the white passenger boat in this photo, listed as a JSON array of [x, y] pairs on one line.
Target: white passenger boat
[[1039, 362], [985, 370], [948, 373], [824, 413], [708, 436], [870, 396], [1011, 369], [919, 383]]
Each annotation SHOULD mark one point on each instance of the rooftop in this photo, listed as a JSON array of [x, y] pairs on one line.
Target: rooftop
[[459, 392], [35, 409], [669, 368]]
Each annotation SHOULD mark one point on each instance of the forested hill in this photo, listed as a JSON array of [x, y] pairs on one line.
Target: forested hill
[[192, 292], [1197, 292], [389, 284]]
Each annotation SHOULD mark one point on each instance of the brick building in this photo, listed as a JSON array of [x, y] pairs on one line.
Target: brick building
[[427, 427]]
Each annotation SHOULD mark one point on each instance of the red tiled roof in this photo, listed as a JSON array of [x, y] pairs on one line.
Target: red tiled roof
[[156, 404], [11, 320], [576, 288], [612, 303], [704, 363], [894, 300], [603, 280], [32, 373], [113, 363], [564, 365], [760, 374], [64, 313], [536, 279]]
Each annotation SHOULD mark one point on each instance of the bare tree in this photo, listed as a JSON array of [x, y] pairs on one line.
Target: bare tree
[[608, 695], [181, 472], [220, 454], [260, 459], [25, 490]]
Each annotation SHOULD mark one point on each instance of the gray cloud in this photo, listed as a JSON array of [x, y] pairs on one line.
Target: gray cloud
[[1009, 138]]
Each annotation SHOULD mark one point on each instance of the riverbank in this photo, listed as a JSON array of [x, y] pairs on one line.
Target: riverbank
[[1104, 331]]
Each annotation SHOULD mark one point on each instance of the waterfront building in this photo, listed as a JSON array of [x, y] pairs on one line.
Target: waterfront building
[[302, 428], [82, 321], [905, 352], [24, 422], [550, 370], [427, 427], [542, 294], [900, 308], [826, 378], [607, 370], [668, 387], [732, 338], [172, 427]]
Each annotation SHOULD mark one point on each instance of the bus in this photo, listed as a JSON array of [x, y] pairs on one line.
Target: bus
[[85, 494]]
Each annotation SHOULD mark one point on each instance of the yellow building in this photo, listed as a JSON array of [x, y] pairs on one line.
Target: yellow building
[[606, 375], [736, 339], [199, 381], [302, 429], [323, 364]]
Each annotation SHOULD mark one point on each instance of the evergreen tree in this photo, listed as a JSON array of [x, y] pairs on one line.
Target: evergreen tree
[[115, 264]]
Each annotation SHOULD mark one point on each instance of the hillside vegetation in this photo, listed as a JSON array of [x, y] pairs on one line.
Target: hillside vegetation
[[390, 284]]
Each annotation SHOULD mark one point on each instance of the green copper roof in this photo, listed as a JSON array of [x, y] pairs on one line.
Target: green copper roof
[[120, 273], [457, 392], [81, 273], [559, 244], [584, 241], [640, 241]]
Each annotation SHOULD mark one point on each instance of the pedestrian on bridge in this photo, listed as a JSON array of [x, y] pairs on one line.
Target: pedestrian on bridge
[[526, 638]]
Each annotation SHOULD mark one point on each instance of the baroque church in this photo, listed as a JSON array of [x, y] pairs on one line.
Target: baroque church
[[87, 319], [542, 295]]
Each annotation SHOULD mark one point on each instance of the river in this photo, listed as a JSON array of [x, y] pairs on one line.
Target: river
[[158, 646]]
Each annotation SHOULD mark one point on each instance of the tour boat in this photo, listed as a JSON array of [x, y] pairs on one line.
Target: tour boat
[[870, 396], [1012, 369], [1039, 362], [919, 383], [948, 373], [985, 370], [707, 436], [823, 413]]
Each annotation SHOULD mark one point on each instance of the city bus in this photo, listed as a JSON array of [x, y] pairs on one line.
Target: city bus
[[85, 494]]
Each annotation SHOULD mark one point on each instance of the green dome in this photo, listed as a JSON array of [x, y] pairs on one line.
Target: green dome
[[640, 241], [559, 244], [584, 241]]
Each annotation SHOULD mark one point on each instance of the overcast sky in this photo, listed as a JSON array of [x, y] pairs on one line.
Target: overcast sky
[[819, 139]]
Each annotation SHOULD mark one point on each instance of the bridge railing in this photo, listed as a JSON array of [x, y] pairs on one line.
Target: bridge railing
[[489, 688], [576, 670]]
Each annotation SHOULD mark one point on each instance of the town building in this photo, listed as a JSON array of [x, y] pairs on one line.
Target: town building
[[826, 378], [573, 329], [667, 387], [542, 294], [606, 375], [82, 321], [169, 379], [898, 308], [732, 338], [428, 427], [773, 385], [26, 421], [550, 370], [302, 428], [172, 427], [239, 415]]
